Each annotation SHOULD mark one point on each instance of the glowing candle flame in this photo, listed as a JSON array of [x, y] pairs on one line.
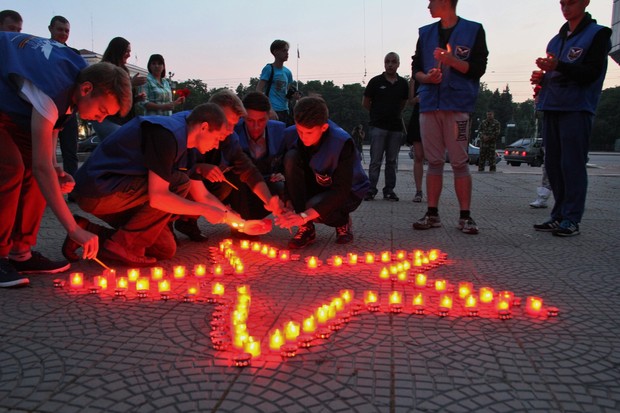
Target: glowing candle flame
[[370, 297], [534, 305], [322, 314], [252, 347], [386, 256], [471, 301], [200, 270], [384, 274], [273, 253], [284, 255], [441, 285], [465, 289], [352, 258], [122, 283], [418, 299], [239, 268], [486, 294], [396, 297], [337, 261], [347, 296], [401, 255], [445, 300], [157, 273], [276, 340], [291, 330], [193, 288], [133, 274], [420, 280], [370, 258], [77, 280], [217, 269], [142, 284], [245, 244], [309, 325], [217, 289], [101, 282], [163, 285], [179, 271], [313, 262]]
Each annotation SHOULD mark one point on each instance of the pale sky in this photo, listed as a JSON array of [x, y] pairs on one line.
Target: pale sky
[[225, 42]]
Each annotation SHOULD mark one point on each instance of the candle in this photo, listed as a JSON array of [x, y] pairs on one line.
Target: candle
[[77, 280], [402, 276], [369, 258], [471, 301], [417, 262], [352, 258], [506, 295], [193, 287], [239, 268], [110, 275], [265, 249], [503, 304], [396, 297], [217, 289], [534, 305], [284, 255], [163, 285], [276, 340], [322, 314], [309, 325], [418, 303], [465, 289], [406, 265], [386, 256], [179, 271], [486, 294], [338, 303], [252, 347], [255, 246], [433, 254], [133, 274], [347, 296], [142, 284], [100, 282], [273, 252], [312, 262], [445, 300], [291, 330], [218, 270], [370, 297], [243, 289], [441, 285], [384, 274], [157, 273], [420, 280], [122, 283], [200, 270], [240, 338], [401, 255], [337, 261], [245, 244]]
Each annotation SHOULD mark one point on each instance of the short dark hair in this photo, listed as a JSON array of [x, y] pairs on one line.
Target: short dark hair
[[11, 14], [210, 113], [311, 111], [109, 79], [277, 45], [60, 19], [157, 58], [226, 98], [256, 101]]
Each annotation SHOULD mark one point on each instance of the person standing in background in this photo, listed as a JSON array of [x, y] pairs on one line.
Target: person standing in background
[[10, 21], [157, 88], [489, 132]]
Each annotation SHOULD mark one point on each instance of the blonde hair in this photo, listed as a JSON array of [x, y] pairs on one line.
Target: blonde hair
[[226, 98]]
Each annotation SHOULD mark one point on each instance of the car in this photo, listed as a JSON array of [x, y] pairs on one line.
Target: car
[[474, 155], [525, 150], [88, 144]]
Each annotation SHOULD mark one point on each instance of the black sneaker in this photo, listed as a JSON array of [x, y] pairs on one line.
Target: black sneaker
[[190, 228], [344, 233], [9, 277], [390, 196], [39, 264], [548, 226], [305, 235], [567, 229], [370, 195]]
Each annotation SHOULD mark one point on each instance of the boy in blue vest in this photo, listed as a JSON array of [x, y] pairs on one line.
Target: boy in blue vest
[[450, 57], [137, 178], [325, 180], [42, 82], [569, 81]]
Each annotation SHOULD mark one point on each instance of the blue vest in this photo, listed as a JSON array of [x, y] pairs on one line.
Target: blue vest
[[560, 93], [325, 161], [456, 92], [120, 155], [50, 66], [276, 148]]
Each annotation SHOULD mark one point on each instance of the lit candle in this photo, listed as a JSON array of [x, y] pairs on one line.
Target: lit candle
[[122, 283], [163, 285], [276, 340], [312, 262], [445, 300], [110, 275], [486, 294], [322, 314], [218, 270], [252, 347], [347, 296], [441, 285], [418, 300], [142, 284], [384, 274], [471, 301], [77, 280], [200, 270], [338, 303], [179, 271], [100, 282], [291, 330], [309, 325], [401, 255], [465, 289], [402, 276], [534, 305], [503, 304], [239, 268], [386, 256], [284, 255], [217, 289], [351, 258], [370, 297], [433, 254], [193, 287], [273, 252], [406, 265], [337, 261], [420, 280], [157, 273], [396, 297], [417, 262], [133, 274], [370, 258], [506, 295], [243, 289], [265, 249], [245, 244], [240, 338], [255, 246]]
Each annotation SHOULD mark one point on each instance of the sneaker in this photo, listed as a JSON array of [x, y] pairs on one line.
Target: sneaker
[[9, 277], [370, 195], [390, 196], [190, 228], [468, 226], [427, 222], [305, 235], [39, 264], [567, 229], [344, 233], [114, 251], [69, 247], [418, 196], [548, 226]]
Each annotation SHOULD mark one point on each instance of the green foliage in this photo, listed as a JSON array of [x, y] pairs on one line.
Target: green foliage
[[606, 128]]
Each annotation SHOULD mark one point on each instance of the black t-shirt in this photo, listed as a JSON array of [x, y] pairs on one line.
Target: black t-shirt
[[387, 102]]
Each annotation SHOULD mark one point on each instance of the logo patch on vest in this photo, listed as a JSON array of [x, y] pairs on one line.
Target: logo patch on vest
[[323, 180], [462, 52], [574, 53]]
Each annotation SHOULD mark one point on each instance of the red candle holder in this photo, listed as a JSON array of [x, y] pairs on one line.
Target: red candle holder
[[305, 340], [242, 359], [288, 351]]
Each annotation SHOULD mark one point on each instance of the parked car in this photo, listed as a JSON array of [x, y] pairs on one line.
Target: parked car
[[526, 150], [474, 155], [88, 144]]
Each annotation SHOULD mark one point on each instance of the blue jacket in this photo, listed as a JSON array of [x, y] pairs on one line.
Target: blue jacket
[[561, 93], [50, 66], [456, 92], [120, 155], [325, 161], [276, 148]]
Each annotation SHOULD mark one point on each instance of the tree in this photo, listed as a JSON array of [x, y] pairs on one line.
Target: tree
[[606, 126]]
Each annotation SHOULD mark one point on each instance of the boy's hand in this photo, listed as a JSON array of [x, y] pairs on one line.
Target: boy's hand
[[65, 181]]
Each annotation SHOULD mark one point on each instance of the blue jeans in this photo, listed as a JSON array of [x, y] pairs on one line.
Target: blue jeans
[[388, 142]]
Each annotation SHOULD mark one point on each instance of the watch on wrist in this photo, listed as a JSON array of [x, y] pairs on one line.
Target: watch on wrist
[[304, 216]]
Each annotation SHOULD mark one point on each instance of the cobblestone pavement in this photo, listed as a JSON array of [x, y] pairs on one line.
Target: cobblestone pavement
[[69, 352]]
